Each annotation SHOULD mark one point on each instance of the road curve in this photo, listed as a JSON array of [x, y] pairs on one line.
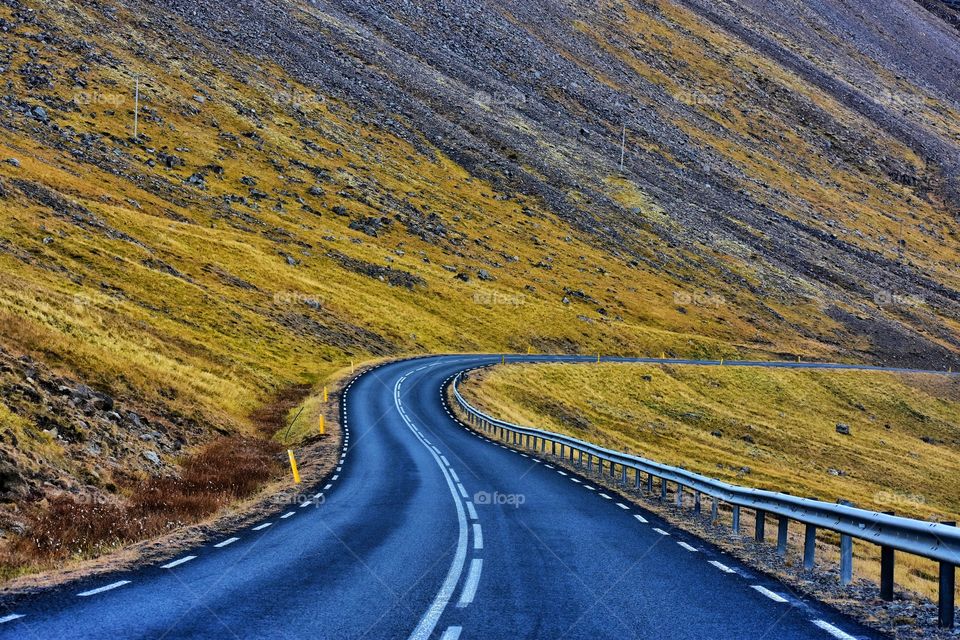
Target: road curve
[[427, 530]]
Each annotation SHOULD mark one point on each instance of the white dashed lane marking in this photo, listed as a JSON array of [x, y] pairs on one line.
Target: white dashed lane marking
[[262, 526], [9, 618], [286, 515], [722, 567], [471, 510], [470, 586], [226, 542], [776, 597], [622, 506], [687, 546], [177, 563], [452, 633], [108, 587], [833, 631], [477, 537], [661, 532], [641, 519]]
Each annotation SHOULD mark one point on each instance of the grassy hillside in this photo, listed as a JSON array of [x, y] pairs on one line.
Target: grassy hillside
[[312, 184], [771, 429]]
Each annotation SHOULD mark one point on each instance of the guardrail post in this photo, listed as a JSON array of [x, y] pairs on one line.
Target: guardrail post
[[846, 559], [580, 462], [623, 474], [761, 522], [696, 502], [589, 463], [637, 479], [553, 448], [809, 547], [948, 587], [887, 564], [736, 520], [714, 510], [663, 489], [679, 496], [650, 483], [782, 529]]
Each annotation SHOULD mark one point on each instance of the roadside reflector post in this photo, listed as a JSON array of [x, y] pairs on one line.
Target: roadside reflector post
[[293, 466], [809, 547], [846, 559], [736, 520], [759, 529], [783, 524], [948, 587]]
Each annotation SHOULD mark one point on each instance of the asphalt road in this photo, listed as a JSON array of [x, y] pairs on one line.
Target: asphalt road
[[427, 530]]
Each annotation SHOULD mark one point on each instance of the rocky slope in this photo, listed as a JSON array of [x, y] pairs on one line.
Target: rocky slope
[[317, 182]]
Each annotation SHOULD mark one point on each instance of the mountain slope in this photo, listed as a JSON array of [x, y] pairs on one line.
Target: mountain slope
[[314, 183]]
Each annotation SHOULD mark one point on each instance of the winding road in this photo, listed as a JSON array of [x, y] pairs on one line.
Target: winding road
[[427, 530]]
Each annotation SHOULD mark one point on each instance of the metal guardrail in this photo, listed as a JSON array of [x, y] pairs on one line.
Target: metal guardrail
[[936, 541]]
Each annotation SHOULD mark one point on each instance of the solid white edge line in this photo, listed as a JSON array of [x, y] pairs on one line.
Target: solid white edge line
[[432, 615], [832, 630], [776, 597], [477, 537], [113, 585], [470, 585], [177, 563]]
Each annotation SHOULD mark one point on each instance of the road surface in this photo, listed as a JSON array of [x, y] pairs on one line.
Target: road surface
[[427, 530]]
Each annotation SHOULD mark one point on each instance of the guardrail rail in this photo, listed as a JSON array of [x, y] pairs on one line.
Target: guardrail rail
[[937, 541]]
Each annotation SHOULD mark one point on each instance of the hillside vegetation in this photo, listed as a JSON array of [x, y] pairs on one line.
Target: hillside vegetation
[[315, 183]]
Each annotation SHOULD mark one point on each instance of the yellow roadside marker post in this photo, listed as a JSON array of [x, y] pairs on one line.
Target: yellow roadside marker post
[[293, 467], [598, 358], [503, 359], [323, 427], [721, 362], [326, 396]]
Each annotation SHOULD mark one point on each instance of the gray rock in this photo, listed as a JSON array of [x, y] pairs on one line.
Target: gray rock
[[843, 429], [13, 162], [152, 456]]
